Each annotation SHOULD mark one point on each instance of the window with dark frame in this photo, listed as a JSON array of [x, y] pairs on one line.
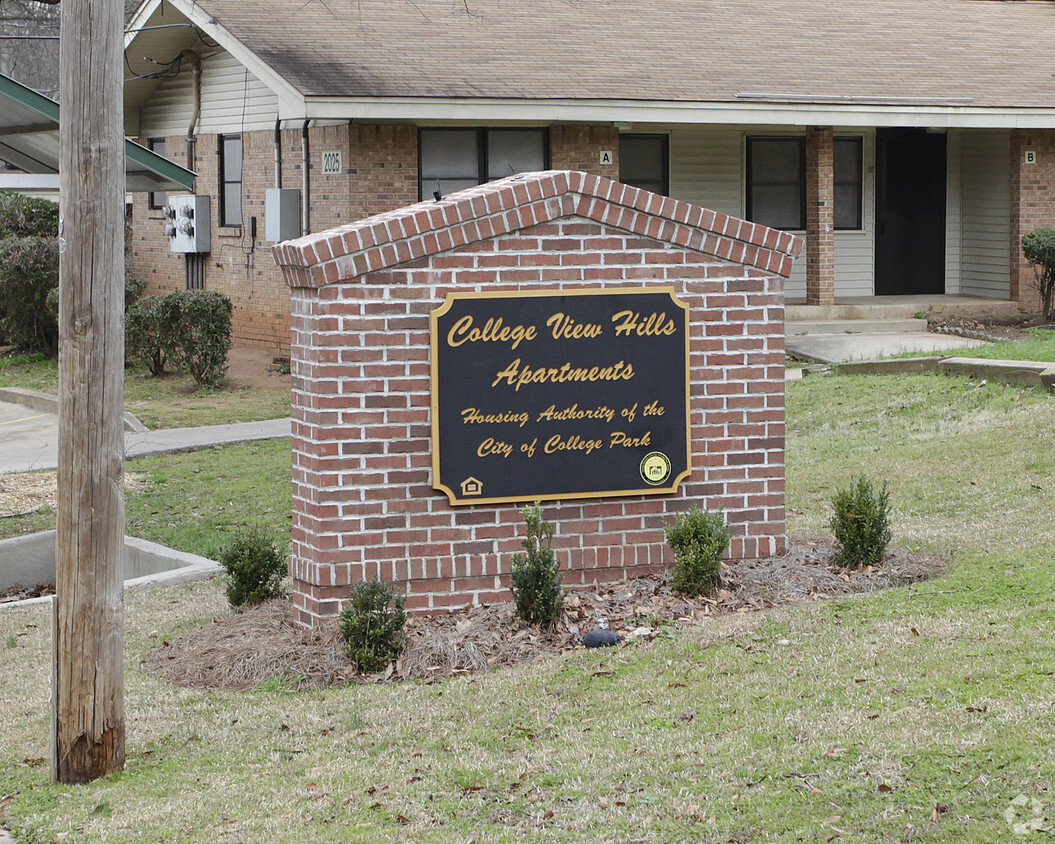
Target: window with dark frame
[[453, 159], [230, 180], [644, 162], [848, 191], [776, 182], [158, 198]]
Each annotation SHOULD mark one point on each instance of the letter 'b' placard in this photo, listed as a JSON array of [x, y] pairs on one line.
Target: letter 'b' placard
[[571, 395]]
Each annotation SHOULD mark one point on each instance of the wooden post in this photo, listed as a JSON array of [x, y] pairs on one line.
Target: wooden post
[[88, 732]]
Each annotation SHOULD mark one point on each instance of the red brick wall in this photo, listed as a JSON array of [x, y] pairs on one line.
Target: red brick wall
[[364, 505], [380, 173], [1032, 205], [820, 216], [579, 148]]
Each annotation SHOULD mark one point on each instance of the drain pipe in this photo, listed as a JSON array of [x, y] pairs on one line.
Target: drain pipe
[[305, 206], [195, 68], [278, 152]]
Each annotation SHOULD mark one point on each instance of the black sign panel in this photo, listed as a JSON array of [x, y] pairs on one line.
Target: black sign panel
[[578, 394]]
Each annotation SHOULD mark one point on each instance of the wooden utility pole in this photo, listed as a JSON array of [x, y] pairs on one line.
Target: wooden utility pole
[[88, 724]]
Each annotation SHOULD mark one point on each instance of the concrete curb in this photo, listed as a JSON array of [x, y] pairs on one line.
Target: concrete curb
[[1023, 373], [47, 403], [145, 564], [888, 366]]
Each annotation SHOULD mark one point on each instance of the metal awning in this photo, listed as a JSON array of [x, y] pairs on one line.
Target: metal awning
[[29, 140]]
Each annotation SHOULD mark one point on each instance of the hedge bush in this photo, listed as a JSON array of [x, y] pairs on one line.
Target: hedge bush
[[25, 216], [29, 272], [1039, 248], [191, 329]]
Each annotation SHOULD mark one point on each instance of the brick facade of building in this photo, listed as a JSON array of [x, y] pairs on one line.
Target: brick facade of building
[[1032, 205], [364, 504], [379, 173]]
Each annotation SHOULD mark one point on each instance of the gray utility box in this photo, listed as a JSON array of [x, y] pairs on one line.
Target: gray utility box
[[281, 214], [187, 223]]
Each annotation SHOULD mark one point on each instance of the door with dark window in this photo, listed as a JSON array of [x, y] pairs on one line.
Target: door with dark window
[[910, 212]]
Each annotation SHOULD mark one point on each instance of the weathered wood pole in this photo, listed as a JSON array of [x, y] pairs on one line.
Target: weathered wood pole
[[88, 727]]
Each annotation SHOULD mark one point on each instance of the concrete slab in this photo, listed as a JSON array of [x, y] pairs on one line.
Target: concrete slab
[[31, 560], [838, 348]]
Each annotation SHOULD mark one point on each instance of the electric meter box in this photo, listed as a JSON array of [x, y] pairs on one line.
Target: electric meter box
[[281, 214], [187, 223]]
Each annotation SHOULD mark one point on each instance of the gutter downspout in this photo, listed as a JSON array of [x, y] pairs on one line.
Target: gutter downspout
[[195, 68], [305, 206], [278, 153]]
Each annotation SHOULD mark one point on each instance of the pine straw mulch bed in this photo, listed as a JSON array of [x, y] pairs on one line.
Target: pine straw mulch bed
[[247, 648]]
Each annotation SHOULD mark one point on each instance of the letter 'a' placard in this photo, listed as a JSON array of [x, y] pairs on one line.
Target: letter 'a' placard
[[571, 395]]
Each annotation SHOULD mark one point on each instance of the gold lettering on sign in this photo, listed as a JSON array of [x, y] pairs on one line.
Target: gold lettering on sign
[[475, 416], [573, 443], [516, 375], [566, 328], [494, 331], [654, 325]]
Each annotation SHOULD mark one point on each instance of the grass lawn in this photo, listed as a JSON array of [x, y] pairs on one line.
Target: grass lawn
[[920, 714], [171, 401], [1039, 345]]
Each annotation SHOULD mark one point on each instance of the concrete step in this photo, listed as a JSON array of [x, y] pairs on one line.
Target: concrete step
[[799, 328], [850, 311]]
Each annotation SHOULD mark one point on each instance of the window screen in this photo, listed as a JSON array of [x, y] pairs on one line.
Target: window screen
[[453, 159], [644, 162]]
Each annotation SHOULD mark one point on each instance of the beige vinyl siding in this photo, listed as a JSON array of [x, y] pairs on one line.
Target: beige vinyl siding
[[953, 212], [985, 175], [706, 167], [232, 100]]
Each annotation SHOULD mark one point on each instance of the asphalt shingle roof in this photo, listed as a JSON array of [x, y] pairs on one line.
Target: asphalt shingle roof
[[973, 52]]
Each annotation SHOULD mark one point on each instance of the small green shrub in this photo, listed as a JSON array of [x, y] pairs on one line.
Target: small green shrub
[[254, 567], [861, 523], [1039, 248], [191, 329], [698, 539], [371, 624], [535, 579]]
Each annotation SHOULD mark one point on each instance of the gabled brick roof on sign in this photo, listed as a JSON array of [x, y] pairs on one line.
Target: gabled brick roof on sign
[[985, 52], [514, 203]]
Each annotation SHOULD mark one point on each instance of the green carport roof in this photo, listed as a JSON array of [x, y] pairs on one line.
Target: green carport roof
[[29, 140]]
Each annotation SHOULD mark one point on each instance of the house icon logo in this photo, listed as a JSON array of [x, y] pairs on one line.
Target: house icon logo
[[472, 486]]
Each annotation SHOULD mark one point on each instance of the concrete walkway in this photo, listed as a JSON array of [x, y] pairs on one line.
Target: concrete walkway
[[839, 348], [29, 439]]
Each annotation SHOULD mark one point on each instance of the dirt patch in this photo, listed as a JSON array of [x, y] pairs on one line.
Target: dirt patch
[[989, 326], [251, 366], [248, 648]]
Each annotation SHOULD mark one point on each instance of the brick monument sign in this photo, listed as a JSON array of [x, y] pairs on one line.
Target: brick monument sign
[[556, 336]]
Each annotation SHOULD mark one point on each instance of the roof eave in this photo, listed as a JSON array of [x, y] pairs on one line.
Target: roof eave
[[904, 113]]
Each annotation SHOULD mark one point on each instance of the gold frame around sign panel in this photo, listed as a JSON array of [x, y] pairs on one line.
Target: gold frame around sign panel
[[448, 303]]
